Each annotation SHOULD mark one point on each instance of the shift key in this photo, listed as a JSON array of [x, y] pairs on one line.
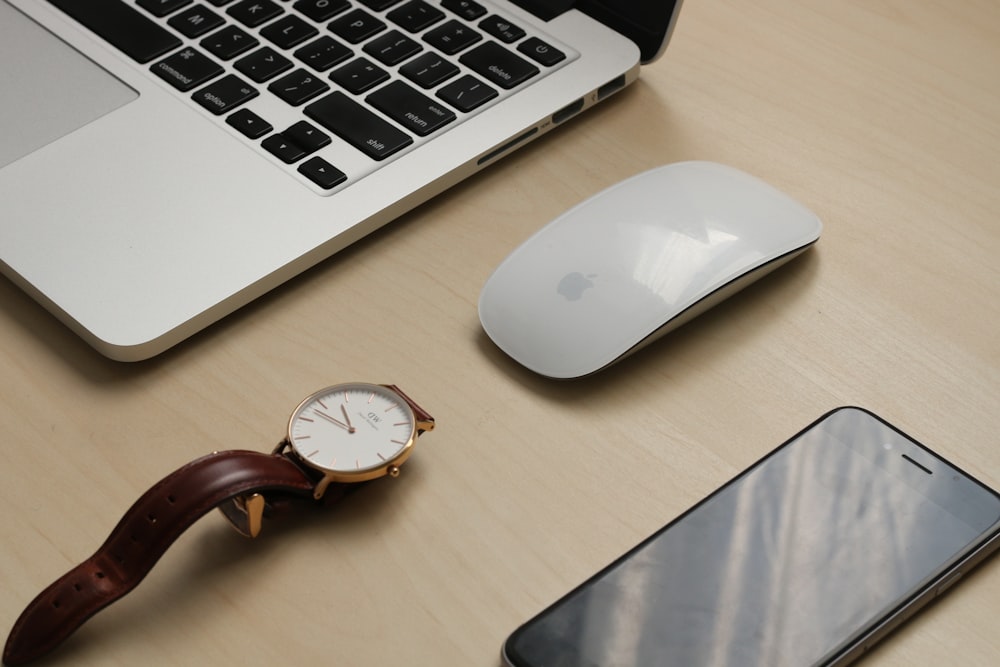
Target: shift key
[[358, 126]]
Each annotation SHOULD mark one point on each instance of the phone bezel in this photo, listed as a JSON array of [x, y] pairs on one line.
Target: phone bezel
[[987, 544]]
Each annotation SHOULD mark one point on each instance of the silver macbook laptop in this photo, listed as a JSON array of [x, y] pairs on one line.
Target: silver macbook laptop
[[164, 162]]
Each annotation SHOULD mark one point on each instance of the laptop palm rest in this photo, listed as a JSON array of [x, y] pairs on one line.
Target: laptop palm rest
[[55, 91]]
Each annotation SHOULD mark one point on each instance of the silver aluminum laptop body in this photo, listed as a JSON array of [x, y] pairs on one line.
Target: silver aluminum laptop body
[[138, 218]]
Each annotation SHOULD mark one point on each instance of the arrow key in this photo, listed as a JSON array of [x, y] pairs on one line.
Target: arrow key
[[285, 150], [306, 136], [322, 173], [249, 124]]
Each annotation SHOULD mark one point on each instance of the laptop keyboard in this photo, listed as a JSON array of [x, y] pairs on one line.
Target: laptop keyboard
[[332, 89]]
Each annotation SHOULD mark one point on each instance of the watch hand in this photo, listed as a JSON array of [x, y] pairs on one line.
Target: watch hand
[[347, 418], [334, 420]]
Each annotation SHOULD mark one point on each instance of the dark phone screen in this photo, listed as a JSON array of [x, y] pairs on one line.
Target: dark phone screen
[[786, 565]]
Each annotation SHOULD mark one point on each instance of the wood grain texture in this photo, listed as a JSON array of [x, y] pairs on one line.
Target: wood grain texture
[[881, 116]]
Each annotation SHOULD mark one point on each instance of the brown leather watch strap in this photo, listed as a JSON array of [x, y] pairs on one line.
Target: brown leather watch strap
[[144, 533], [424, 420]]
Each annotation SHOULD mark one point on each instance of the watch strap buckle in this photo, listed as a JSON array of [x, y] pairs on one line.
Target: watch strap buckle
[[245, 513]]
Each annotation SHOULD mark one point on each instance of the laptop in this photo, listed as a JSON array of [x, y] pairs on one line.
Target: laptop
[[165, 162]]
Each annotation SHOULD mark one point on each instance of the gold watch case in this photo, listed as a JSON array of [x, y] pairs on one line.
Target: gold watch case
[[353, 432]]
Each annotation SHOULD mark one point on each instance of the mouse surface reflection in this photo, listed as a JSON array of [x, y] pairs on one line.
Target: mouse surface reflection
[[636, 261]]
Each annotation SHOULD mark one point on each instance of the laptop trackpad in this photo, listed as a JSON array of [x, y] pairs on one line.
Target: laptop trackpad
[[49, 89]]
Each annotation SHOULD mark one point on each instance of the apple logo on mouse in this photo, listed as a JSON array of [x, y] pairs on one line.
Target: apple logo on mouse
[[574, 284]]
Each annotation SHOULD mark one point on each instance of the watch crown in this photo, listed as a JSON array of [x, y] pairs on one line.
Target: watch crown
[[393, 471]]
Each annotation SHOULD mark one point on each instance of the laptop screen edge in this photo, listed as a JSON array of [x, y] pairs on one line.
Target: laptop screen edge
[[648, 23]]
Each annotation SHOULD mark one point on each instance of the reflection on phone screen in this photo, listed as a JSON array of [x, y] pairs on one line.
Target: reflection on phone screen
[[789, 564]]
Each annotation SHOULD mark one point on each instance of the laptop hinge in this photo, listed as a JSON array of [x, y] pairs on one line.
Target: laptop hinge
[[545, 9]]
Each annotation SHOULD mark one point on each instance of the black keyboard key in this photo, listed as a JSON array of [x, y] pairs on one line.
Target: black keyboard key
[[298, 87], [323, 53], [501, 28], [121, 25], [428, 70], [249, 124], [322, 10], [470, 11], [467, 93], [285, 150], [229, 42], [225, 94], [498, 65], [356, 26], [540, 52], [379, 5], [359, 75], [322, 173], [162, 7], [253, 13], [186, 69], [196, 21], [410, 108], [452, 37], [358, 126], [263, 64], [289, 31], [306, 136], [392, 48], [415, 15]]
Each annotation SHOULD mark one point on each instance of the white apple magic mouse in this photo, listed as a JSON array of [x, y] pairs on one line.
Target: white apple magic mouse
[[636, 261]]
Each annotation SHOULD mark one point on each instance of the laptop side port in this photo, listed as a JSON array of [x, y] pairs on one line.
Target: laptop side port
[[567, 111], [611, 87], [496, 152]]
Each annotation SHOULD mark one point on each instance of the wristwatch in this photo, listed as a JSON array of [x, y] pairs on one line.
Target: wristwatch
[[336, 437]]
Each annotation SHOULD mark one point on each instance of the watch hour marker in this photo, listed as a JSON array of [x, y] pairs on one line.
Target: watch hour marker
[[306, 419], [320, 401], [312, 453]]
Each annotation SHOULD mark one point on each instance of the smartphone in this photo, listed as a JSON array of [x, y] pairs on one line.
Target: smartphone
[[809, 557]]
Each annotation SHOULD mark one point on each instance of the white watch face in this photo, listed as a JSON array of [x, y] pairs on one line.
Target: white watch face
[[353, 430]]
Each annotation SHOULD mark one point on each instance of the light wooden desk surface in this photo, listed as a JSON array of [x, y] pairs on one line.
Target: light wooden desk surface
[[883, 116]]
